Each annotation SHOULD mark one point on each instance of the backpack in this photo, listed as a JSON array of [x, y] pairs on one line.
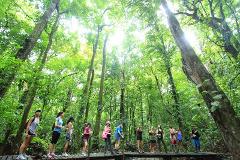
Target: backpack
[[104, 135], [26, 124], [53, 126]]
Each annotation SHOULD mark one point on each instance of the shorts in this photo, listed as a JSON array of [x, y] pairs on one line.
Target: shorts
[[139, 138], [117, 137], [173, 141], [68, 137], [86, 137], [55, 137]]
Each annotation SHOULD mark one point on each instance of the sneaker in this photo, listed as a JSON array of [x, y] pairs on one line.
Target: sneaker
[[65, 154], [84, 154], [49, 155], [20, 156], [53, 154], [25, 155]]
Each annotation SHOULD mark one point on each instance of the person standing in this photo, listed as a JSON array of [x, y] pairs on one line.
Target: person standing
[[179, 139], [152, 137], [69, 131], [106, 135], [139, 133], [31, 127], [173, 138], [57, 129], [196, 139], [160, 138], [118, 135], [87, 132]]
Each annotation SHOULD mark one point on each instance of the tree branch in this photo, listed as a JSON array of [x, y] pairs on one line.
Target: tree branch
[[24, 12]]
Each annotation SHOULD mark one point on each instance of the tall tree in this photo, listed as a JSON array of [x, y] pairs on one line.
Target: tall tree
[[85, 94], [122, 100], [100, 98], [34, 85], [67, 101], [27, 47], [175, 95], [88, 103], [218, 103]]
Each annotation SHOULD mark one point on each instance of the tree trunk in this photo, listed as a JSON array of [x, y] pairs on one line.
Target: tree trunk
[[133, 118], [34, 85], [84, 97], [27, 47], [218, 103], [110, 108], [122, 102], [159, 88], [150, 114], [67, 102], [141, 106], [23, 99], [45, 101], [130, 124], [100, 98], [90, 91], [175, 95]]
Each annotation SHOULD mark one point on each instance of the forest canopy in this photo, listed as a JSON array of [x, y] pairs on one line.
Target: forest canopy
[[173, 63]]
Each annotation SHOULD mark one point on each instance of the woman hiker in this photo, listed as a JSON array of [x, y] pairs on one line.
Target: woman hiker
[[139, 133], [57, 129], [69, 131], [106, 135], [31, 127]]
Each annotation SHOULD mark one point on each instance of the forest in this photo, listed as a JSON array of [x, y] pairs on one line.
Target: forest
[[139, 63]]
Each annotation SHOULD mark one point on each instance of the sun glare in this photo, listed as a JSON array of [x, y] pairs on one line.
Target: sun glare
[[117, 38], [192, 39]]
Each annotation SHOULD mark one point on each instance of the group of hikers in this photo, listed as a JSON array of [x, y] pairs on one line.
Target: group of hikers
[[155, 137]]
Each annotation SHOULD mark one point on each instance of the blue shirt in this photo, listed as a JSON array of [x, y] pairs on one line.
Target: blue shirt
[[59, 122], [179, 136], [118, 130]]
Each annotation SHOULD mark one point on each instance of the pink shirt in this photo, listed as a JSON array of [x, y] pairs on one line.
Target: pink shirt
[[172, 133], [106, 131], [87, 130]]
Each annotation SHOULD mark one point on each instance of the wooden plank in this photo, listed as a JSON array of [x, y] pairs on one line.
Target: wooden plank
[[91, 157], [3, 157], [29, 158], [203, 155], [10, 157], [130, 155]]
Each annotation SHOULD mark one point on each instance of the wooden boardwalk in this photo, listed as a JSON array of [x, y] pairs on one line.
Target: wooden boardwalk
[[131, 156]]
